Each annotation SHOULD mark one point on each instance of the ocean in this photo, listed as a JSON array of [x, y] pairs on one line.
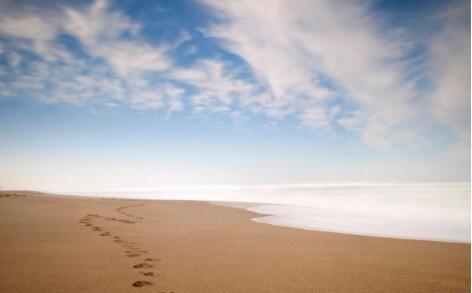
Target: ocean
[[428, 211]]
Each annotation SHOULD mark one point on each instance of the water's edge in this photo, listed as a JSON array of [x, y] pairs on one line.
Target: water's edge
[[276, 220], [438, 211]]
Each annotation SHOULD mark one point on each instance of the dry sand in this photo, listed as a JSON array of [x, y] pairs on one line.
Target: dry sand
[[72, 244]]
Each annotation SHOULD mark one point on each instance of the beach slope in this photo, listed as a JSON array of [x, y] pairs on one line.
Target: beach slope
[[51, 243]]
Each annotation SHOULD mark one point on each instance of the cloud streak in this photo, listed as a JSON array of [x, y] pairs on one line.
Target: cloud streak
[[316, 54], [327, 64], [102, 31]]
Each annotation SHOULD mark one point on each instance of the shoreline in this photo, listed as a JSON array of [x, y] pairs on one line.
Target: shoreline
[[428, 211], [242, 205], [262, 218], [74, 244]]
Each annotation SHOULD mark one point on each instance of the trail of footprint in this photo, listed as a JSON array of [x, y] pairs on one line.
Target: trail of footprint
[[12, 195], [142, 284], [132, 249], [150, 259], [143, 265], [120, 220], [121, 210]]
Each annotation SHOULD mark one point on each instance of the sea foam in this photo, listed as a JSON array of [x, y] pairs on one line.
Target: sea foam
[[428, 211]]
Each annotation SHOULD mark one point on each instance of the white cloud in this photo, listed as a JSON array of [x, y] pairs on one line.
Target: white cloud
[[216, 86], [450, 72], [352, 121], [13, 59], [238, 116], [324, 63], [309, 52], [174, 98], [165, 95], [449, 69], [28, 27], [102, 30], [315, 117], [59, 75]]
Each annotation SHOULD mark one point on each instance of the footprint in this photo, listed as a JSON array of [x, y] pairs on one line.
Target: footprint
[[148, 274], [148, 259], [132, 255], [142, 284], [120, 220], [105, 234], [143, 265]]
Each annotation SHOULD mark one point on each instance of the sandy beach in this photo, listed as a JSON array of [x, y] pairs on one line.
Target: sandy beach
[[53, 243]]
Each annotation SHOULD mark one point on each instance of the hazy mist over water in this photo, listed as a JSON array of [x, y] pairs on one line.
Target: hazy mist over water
[[431, 211]]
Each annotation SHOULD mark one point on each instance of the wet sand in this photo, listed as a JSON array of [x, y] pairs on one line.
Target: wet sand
[[73, 244]]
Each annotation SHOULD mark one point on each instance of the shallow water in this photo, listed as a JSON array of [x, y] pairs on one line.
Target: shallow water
[[429, 211]]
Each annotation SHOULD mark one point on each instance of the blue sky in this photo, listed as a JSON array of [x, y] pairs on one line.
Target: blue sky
[[141, 94]]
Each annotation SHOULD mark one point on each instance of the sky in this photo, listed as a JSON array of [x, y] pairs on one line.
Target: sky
[[98, 95]]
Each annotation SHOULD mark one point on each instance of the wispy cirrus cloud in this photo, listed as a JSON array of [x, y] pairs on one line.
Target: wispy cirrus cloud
[[216, 85], [449, 69], [102, 31], [113, 71], [326, 64], [314, 54]]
